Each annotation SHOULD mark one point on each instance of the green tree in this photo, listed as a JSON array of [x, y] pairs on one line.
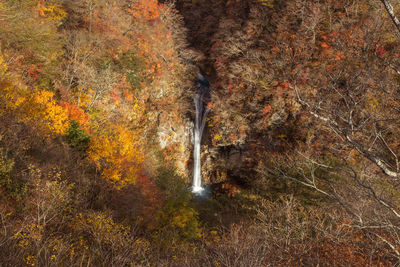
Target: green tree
[[77, 137]]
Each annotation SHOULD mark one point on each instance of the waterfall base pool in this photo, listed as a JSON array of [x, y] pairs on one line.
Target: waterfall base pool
[[197, 189], [201, 192]]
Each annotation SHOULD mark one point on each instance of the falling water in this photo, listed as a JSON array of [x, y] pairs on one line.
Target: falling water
[[199, 124]]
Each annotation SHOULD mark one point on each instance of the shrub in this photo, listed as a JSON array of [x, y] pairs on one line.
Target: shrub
[[13, 187], [178, 221], [77, 137], [172, 184]]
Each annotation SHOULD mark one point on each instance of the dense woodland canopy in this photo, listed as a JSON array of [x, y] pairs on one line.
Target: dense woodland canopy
[[301, 150]]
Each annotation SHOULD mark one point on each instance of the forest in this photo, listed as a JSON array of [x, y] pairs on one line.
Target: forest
[[300, 152]]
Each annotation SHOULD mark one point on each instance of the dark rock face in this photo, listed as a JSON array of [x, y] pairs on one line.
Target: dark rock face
[[229, 188]]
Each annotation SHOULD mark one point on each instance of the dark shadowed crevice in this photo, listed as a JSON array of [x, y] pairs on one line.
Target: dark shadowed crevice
[[202, 21]]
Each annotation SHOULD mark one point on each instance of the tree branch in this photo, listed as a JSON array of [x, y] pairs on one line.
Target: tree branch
[[390, 11], [379, 162]]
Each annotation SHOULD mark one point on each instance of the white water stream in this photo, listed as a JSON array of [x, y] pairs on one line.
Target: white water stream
[[199, 124]]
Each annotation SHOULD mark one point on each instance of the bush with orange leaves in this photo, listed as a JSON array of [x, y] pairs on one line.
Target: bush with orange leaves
[[116, 152], [36, 107], [147, 9]]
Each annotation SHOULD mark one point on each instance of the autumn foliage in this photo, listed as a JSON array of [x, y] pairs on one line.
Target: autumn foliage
[[300, 151], [148, 10]]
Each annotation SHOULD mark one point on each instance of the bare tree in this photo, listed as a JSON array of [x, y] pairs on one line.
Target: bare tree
[[346, 84]]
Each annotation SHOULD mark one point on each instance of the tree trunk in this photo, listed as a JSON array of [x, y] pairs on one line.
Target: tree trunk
[[390, 11]]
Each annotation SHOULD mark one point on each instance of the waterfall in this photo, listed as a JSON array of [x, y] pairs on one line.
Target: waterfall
[[199, 124]]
